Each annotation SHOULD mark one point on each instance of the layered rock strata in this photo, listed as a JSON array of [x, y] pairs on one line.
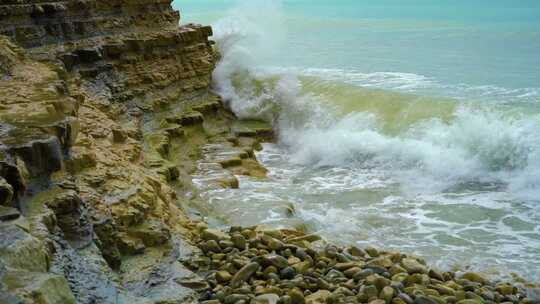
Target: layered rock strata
[[104, 109]]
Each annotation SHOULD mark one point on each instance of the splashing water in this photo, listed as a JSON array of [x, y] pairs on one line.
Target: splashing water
[[446, 169]]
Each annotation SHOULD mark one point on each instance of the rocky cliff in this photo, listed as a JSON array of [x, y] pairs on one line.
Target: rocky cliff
[[105, 113]]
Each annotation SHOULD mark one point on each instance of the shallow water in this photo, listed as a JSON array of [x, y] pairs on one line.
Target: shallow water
[[405, 126]]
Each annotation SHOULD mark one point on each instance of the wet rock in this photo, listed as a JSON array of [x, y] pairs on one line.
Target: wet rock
[[424, 300], [302, 267], [387, 294], [152, 233], [216, 235], [40, 287], [318, 297], [413, 266], [239, 241], [297, 297], [505, 289], [276, 260], [372, 251], [405, 297], [19, 249], [8, 213], [333, 275], [267, 299], [436, 275], [236, 298], [469, 301], [370, 291], [244, 274], [474, 277], [287, 273], [223, 276]]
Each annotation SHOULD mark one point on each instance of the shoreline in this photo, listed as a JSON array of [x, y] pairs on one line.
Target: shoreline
[[261, 265]]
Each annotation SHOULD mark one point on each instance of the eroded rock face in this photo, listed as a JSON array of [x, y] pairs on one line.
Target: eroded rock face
[[88, 159]]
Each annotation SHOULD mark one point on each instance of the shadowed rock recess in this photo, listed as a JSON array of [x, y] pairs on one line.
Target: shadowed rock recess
[[105, 106]]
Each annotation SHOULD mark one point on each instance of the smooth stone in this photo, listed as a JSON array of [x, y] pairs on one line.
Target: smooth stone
[[370, 291], [469, 301], [276, 260], [363, 274], [213, 234], [505, 289], [272, 243], [356, 252], [424, 300], [372, 251], [213, 246], [223, 276], [331, 251], [377, 301], [236, 298], [387, 294], [396, 269], [377, 280], [351, 272], [332, 274], [267, 299], [297, 297], [381, 262], [287, 273], [308, 238], [302, 267], [436, 275], [244, 274], [225, 244], [318, 297], [406, 298], [474, 277], [239, 241], [345, 266], [413, 266], [293, 260]]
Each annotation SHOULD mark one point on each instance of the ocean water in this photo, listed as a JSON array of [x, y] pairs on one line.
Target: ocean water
[[409, 125]]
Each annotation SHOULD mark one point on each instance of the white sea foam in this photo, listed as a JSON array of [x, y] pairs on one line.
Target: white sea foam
[[466, 182]]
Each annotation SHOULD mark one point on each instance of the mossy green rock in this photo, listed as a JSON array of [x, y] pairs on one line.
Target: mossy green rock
[[42, 288]]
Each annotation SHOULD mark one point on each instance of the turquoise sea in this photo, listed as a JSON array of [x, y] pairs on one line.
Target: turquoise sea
[[410, 125]]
